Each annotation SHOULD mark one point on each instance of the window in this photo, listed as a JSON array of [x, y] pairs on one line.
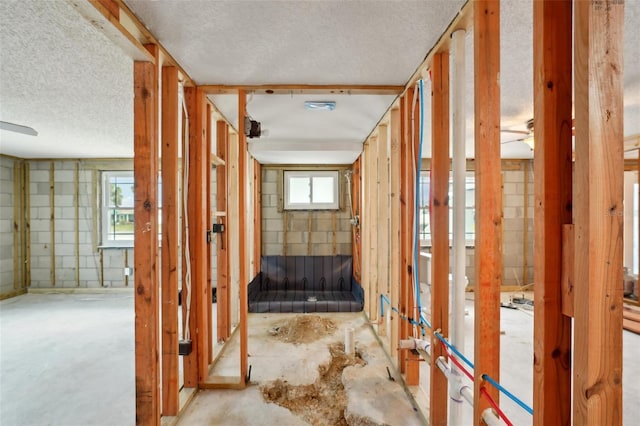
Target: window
[[469, 221], [117, 207], [311, 190]]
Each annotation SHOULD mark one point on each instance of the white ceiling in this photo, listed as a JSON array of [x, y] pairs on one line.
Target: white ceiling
[[60, 75]]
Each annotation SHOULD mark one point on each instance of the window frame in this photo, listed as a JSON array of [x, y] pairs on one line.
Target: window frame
[[335, 174], [105, 207]]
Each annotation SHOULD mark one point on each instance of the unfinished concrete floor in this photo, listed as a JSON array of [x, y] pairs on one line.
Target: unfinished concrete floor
[[372, 398], [67, 359]]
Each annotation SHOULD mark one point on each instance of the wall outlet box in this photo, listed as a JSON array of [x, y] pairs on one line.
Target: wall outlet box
[[128, 271]]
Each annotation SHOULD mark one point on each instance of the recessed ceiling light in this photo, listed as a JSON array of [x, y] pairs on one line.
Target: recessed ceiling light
[[319, 105]]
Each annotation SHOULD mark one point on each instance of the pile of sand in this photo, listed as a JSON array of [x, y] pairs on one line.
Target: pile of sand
[[303, 329], [322, 402]]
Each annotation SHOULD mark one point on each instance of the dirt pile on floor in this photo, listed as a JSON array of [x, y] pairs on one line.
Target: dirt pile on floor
[[303, 329], [322, 402]]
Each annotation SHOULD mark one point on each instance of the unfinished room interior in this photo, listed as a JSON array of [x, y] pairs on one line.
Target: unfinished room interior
[[319, 212]]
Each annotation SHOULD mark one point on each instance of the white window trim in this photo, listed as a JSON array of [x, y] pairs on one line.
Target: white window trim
[[104, 208], [335, 174]]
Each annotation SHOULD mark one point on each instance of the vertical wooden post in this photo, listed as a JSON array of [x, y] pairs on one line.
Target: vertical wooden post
[[76, 221], [598, 198], [552, 188], [52, 222], [413, 165], [196, 209], [169, 267], [405, 213], [145, 171], [486, 28], [383, 211], [208, 222], [364, 221], [439, 202], [244, 250], [356, 190], [372, 198], [394, 244], [257, 217], [224, 313]]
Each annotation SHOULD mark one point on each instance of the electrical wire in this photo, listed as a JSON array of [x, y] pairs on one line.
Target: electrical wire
[[511, 396], [186, 332]]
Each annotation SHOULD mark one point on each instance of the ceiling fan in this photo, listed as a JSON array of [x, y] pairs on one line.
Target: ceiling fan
[[17, 128], [527, 135]]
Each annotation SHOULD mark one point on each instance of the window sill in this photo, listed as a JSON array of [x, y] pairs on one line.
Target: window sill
[[123, 245]]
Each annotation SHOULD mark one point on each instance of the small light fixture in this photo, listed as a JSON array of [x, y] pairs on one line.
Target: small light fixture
[[319, 105]]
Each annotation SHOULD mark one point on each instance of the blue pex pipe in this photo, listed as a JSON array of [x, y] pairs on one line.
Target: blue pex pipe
[[416, 247], [507, 393]]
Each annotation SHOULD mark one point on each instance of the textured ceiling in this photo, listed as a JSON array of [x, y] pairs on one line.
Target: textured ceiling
[[62, 76]]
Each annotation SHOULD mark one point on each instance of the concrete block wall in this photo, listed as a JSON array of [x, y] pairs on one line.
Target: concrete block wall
[[6, 225], [294, 229], [515, 272], [55, 265], [517, 225]]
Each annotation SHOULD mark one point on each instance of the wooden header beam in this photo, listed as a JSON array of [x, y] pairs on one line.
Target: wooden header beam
[[303, 89]]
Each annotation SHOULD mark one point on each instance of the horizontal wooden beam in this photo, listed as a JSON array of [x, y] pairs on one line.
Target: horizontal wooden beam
[[304, 89]]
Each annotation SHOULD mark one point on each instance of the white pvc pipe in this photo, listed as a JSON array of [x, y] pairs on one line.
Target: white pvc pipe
[[349, 342], [415, 344], [490, 418], [459, 166], [457, 390]]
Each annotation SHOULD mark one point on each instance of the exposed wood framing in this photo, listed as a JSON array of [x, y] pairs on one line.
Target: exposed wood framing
[[383, 204], [224, 313], [304, 89], [567, 280], [208, 221], [52, 222], [366, 224], [27, 224], [552, 190], [242, 236], [196, 210], [76, 222], [20, 195], [486, 29], [145, 170], [356, 200], [372, 199], [233, 228], [170, 240], [394, 242], [598, 198], [334, 235], [439, 203], [257, 217]]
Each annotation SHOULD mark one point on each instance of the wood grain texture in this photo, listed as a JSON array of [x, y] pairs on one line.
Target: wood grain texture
[[222, 254], [145, 172], [488, 259], [394, 243], [372, 177], [439, 202], [169, 267], [598, 212], [383, 205], [208, 220], [242, 236], [553, 256]]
